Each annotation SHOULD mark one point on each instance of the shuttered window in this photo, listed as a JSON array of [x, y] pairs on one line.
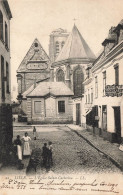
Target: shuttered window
[[61, 106], [37, 107]]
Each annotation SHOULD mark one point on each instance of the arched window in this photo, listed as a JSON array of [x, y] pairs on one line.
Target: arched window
[[68, 72], [57, 47], [62, 44], [1, 25], [60, 76], [78, 78], [6, 35]]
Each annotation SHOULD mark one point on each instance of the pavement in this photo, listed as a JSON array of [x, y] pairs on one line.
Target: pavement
[[108, 149]]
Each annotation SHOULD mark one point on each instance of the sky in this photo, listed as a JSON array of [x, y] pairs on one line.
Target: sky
[[38, 18]]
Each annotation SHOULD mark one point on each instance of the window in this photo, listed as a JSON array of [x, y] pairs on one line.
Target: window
[[62, 44], [7, 77], [96, 87], [61, 106], [104, 117], [78, 78], [91, 95], [1, 25], [57, 47], [2, 78], [88, 96], [86, 99], [37, 107], [116, 67], [60, 76], [68, 72], [104, 82], [6, 35]]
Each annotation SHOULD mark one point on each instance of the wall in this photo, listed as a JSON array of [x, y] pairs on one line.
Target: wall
[[6, 54], [49, 110]]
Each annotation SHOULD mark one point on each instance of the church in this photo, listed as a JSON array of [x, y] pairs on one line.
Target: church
[[69, 67], [51, 87]]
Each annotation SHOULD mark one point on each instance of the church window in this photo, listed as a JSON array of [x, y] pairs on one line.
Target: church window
[[7, 76], [2, 78], [36, 44], [60, 76], [68, 72], [37, 107], [1, 25], [61, 106], [62, 44], [78, 78], [57, 47], [6, 35]]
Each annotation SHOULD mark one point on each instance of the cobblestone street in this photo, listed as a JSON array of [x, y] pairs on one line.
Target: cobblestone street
[[71, 153]]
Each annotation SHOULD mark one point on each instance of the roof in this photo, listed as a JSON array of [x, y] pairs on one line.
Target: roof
[[54, 88], [36, 54], [28, 91], [75, 47], [6, 5]]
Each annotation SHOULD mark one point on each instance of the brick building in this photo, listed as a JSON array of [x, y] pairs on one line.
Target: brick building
[[6, 130]]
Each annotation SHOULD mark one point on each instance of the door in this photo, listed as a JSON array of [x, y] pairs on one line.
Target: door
[[117, 123], [78, 114]]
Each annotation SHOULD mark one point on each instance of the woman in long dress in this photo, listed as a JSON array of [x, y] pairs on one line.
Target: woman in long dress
[[18, 144], [26, 146]]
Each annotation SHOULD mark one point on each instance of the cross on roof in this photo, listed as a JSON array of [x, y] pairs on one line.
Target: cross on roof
[[74, 20]]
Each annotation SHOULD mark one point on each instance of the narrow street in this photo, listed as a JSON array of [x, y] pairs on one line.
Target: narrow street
[[71, 154]]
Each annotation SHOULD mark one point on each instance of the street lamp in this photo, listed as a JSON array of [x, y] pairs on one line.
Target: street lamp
[[19, 98]]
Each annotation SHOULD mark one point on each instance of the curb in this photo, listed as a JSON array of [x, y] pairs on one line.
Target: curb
[[117, 164]]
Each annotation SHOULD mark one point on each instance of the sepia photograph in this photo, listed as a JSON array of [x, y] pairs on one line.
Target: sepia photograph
[[61, 97]]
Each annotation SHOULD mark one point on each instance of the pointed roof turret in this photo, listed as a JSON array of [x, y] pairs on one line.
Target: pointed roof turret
[[75, 48]]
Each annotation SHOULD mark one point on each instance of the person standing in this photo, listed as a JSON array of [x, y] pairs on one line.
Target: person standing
[[26, 146], [45, 152], [50, 159], [18, 144], [34, 133]]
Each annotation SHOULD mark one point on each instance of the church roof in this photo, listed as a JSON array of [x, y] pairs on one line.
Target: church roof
[[53, 88], [75, 47]]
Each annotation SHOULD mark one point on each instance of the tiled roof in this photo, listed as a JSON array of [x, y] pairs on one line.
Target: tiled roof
[[55, 88], [75, 47]]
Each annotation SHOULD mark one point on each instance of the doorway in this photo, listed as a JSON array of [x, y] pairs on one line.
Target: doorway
[[78, 121], [117, 122]]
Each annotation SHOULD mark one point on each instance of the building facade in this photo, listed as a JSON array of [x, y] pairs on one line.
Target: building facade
[[34, 67], [6, 130], [103, 109], [49, 102]]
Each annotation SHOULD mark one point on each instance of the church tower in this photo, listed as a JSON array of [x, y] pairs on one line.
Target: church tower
[[57, 40]]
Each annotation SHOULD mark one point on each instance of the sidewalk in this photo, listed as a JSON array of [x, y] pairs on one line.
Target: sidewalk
[[110, 150]]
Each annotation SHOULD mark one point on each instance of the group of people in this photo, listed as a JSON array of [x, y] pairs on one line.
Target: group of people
[[22, 146]]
